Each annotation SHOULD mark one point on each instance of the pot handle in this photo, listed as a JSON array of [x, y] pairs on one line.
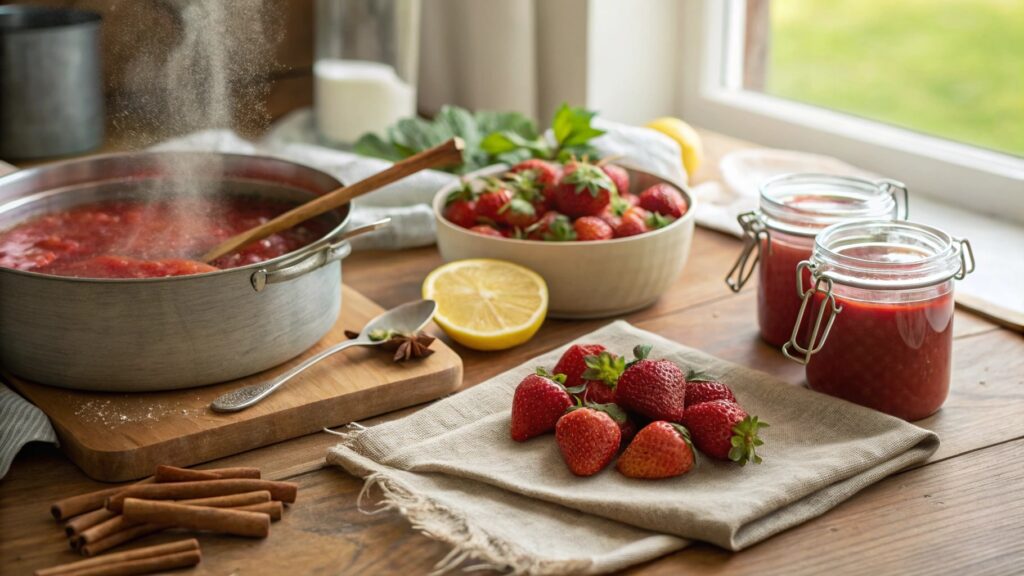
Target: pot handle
[[326, 255], [6, 168]]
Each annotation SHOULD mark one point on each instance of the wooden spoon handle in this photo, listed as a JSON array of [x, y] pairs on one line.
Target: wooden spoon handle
[[446, 154]]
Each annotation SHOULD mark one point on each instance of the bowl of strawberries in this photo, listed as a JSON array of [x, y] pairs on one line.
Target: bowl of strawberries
[[607, 238]]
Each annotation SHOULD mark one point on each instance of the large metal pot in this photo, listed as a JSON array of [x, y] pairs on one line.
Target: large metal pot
[[165, 333]]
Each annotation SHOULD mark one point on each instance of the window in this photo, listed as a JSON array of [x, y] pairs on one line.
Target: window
[[929, 92]]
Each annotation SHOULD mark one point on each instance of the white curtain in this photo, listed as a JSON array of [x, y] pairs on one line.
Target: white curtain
[[620, 57], [502, 54]]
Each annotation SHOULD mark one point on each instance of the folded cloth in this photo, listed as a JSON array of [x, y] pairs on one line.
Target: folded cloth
[[452, 469], [20, 423]]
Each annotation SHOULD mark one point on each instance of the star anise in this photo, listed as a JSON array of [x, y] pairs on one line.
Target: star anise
[[405, 346]]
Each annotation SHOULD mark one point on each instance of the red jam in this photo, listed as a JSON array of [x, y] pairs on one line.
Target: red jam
[[894, 357], [132, 239], [777, 299]]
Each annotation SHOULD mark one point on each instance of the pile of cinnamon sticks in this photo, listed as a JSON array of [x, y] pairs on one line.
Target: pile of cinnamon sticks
[[223, 500]]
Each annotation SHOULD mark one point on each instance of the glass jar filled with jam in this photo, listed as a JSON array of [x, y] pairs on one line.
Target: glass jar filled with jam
[[877, 306], [794, 208]]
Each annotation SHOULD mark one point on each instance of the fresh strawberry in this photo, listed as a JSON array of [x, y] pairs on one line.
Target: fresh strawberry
[[544, 173], [700, 390], [599, 392], [519, 213], [583, 190], [723, 430], [487, 230], [660, 450], [539, 401], [490, 203], [631, 199], [461, 213], [588, 438], [610, 218], [653, 388], [589, 228], [631, 225], [460, 207], [573, 362], [663, 199], [619, 176]]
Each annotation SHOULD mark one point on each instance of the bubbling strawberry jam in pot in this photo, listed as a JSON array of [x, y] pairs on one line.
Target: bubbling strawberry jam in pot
[[135, 239]]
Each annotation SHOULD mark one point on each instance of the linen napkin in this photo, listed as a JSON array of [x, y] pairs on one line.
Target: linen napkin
[[453, 471]]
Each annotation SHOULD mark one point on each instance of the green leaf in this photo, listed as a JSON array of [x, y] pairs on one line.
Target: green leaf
[[571, 126], [489, 121], [376, 147], [518, 206], [613, 410], [641, 351], [460, 122], [560, 230], [655, 220], [416, 134]]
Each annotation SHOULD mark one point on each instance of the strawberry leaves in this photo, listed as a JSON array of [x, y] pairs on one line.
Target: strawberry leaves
[[605, 367], [745, 441], [588, 177]]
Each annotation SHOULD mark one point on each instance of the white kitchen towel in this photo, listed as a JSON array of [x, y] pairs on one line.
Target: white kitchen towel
[[407, 202], [743, 172], [453, 471]]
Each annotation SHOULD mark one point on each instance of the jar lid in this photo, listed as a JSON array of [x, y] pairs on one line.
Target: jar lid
[[804, 204], [890, 255]]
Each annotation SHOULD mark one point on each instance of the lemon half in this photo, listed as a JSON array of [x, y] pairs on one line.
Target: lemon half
[[487, 304]]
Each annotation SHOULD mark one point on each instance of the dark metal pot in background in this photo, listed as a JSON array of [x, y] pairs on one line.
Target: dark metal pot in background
[[165, 333], [51, 86]]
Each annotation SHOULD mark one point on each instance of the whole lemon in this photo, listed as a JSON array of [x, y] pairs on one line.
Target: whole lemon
[[686, 137]]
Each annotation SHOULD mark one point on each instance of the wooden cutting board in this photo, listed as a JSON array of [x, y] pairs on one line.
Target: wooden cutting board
[[116, 436]]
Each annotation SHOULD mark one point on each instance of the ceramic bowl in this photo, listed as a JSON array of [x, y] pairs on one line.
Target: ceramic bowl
[[585, 279]]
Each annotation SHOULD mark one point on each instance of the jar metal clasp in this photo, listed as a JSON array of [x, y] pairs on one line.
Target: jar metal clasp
[[754, 232], [966, 258], [893, 187], [821, 283]]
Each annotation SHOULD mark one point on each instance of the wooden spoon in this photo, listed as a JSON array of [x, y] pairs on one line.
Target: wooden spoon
[[446, 154]]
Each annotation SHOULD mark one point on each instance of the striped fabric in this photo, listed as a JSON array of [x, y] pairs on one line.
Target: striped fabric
[[20, 423]]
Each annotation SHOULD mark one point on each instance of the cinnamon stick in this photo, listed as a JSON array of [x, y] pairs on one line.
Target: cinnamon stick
[[134, 554], [230, 500], [283, 491], [175, 474], [274, 509], [119, 523], [143, 565], [75, 505], [222, 520], [83, 522], [118, 538]]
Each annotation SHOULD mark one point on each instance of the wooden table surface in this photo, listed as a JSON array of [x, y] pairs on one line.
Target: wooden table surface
[[961, 512]]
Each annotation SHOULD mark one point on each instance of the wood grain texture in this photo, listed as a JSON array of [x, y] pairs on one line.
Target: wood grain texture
[[116, 437]]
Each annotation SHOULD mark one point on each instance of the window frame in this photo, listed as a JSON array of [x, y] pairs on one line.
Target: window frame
[[712, 96]]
